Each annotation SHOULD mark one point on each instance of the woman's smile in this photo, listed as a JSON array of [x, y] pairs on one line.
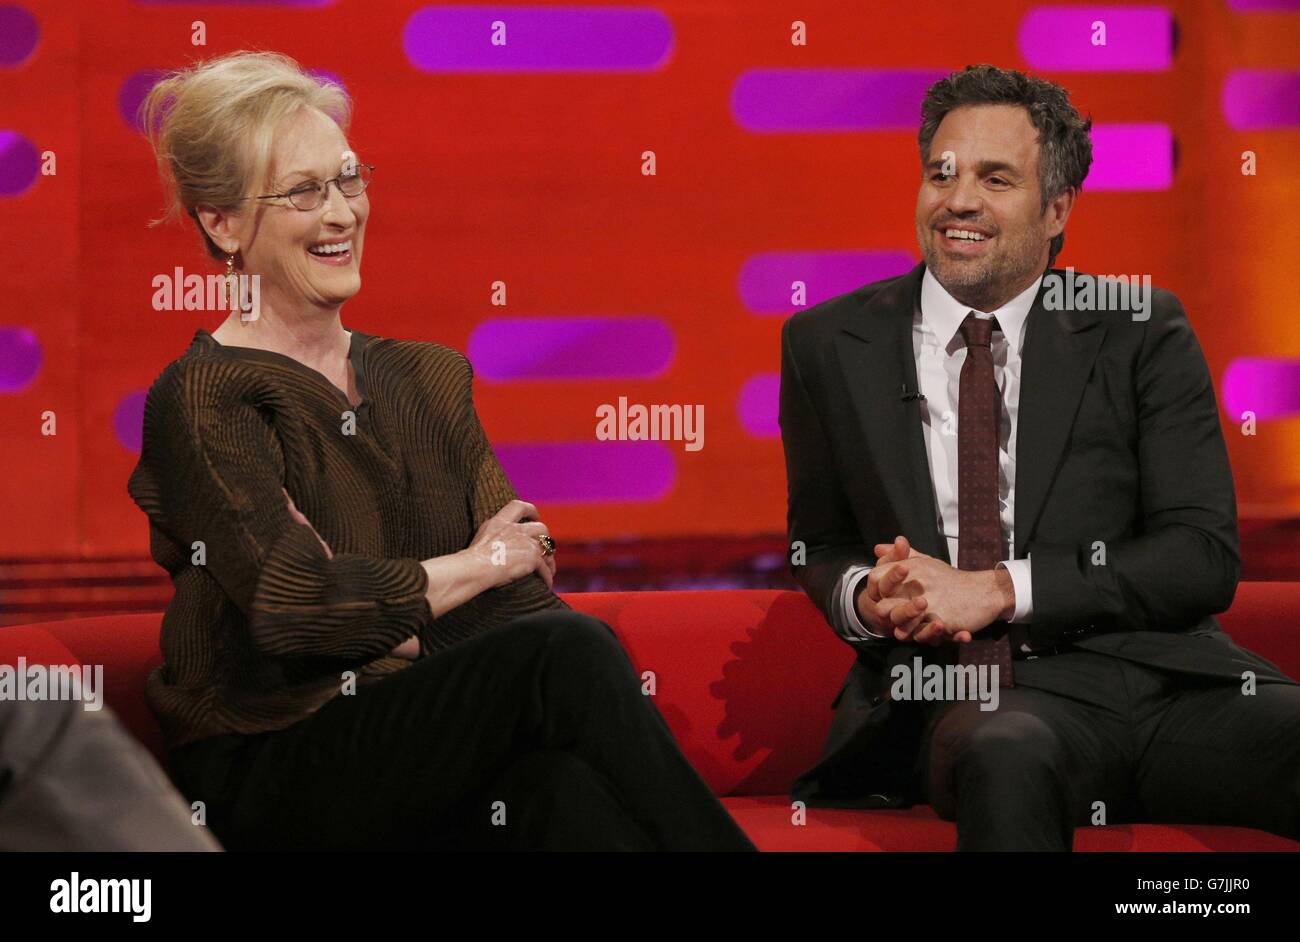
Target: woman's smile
[[336, 252]]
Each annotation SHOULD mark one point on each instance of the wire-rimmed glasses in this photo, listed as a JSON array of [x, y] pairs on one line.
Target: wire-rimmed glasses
[[310, 194]]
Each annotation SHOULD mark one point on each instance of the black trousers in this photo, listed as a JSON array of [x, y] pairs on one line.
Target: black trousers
[[534, 735], [1146, 745]]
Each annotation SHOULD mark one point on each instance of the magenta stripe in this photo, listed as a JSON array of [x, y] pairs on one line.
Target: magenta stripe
[[128, 420], [766, 278], [1266, 386], [139, 84], [513, 348], [241, 3], [589, 472], [132, 94], [757, 405], [328, 77], [19, 34], [20, 163], [538, 39], [1264, 6], [1262, 99], [768, 100], [1138, 39], [1131, 157], [21, 358]]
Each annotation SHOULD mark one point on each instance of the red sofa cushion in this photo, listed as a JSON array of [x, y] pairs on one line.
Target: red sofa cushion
[[768, 822], [127, 646], [745, 680], [35, 643], [1263, 619]]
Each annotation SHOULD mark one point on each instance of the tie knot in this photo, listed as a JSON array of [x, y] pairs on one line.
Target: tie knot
[[978, 331]]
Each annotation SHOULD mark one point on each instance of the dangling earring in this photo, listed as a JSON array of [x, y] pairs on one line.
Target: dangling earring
[[232, 283], [232, 291]]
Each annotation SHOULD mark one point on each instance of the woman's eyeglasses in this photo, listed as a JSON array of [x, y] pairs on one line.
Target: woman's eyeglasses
[[309, 195]]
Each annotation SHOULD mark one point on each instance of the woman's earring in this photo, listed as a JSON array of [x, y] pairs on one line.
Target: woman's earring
[[233, 292], [232, 284]]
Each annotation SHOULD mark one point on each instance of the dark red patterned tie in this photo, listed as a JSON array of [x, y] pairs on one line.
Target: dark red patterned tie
[[979, 521]]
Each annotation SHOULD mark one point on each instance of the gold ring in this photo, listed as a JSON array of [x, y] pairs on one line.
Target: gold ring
[[547, 544]]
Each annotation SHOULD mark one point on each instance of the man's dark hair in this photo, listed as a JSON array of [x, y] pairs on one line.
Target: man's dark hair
[[1064, 146]]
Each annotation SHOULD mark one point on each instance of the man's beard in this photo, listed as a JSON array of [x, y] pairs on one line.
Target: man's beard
[[984, 284]]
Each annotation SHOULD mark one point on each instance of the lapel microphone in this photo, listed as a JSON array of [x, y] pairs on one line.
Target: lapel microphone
[[907, 396]]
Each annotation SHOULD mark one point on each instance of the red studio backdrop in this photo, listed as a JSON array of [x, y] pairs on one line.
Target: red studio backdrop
[[620, 283]]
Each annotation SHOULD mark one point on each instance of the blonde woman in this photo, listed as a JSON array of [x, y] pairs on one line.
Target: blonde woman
[[363, 649]]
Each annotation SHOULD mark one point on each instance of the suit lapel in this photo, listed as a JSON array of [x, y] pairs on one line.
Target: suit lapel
[[876, 356], [1060, 349]]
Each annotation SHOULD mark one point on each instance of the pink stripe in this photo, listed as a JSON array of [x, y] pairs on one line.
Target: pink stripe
[[1267, 386], [1262, 99], [1131, 157], [1138, 39], [758, 405], [589, 472]]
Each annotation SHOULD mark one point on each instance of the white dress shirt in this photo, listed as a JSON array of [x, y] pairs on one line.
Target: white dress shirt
[[940, 352]]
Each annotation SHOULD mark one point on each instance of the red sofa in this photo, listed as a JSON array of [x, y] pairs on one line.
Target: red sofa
[[745, 679]]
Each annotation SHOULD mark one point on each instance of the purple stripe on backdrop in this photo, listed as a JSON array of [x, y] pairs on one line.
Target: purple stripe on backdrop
[[1131, 157], [1266, 386], [240, 3], [1261, 99], [515, 348], [589, 472], [765, 278], [1263, 6], [134, 88], [19, 33], [137, 85], [20, 358], [538, 39], [20, 163], [757, 405], [1138, 39], [128, 420], [324, 75], [775, 100]]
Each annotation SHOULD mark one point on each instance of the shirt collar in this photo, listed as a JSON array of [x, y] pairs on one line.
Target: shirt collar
[[943, 313]]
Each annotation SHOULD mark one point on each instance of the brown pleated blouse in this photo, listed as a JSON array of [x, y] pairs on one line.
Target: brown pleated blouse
[[263, 623]]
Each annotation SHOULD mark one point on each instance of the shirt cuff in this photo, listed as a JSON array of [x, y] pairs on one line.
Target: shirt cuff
[[847, 623], [1023, 581]]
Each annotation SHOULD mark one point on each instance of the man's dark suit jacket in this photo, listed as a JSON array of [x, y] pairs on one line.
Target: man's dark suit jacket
[[1118, 442]]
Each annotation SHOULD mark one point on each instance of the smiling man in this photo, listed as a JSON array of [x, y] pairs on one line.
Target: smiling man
[[990, 480]]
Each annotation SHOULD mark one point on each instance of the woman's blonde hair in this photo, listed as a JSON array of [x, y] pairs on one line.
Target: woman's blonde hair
[[211, 127]]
